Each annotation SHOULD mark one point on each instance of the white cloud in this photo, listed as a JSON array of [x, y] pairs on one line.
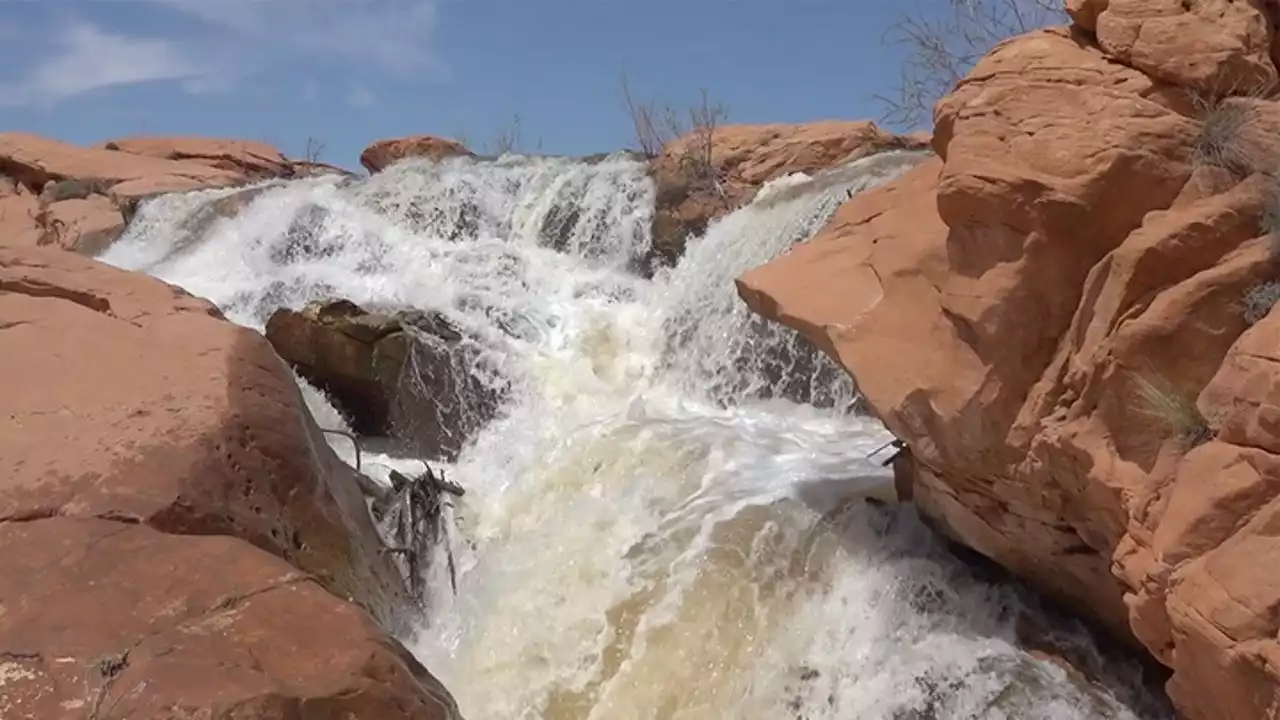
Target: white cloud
[[221, 42], [360, 97], [388, 36], [88, 58]]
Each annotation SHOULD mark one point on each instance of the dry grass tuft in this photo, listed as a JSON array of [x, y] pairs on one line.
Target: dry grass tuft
[[1176, 411]]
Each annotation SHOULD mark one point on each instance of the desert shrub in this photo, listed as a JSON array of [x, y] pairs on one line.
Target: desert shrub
[[655, 126], [943, 46], [1223, 137], [1176, 411], [1257, 301]]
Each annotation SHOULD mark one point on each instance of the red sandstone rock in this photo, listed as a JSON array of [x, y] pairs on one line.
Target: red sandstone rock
[[105, 619], [143, 441], [1008, 312], [1221, 46], [383, 153], [182, 421], [33, 161]]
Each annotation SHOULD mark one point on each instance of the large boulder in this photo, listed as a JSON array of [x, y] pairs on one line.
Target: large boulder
[[410, 375], [1053, 317], [707, 173], [144, 440], [381, 154]]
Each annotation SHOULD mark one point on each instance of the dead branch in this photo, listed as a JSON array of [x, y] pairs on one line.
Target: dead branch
[[410, 518], [415, 523], [656, 126], [314, 150], [943, 47], [649, 140]]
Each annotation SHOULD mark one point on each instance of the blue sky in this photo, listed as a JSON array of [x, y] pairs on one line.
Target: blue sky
[[350, 71]]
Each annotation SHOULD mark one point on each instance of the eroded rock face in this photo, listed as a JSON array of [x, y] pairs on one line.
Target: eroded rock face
[[382, 154], [145, 440], [409, 374], [699, 181], [1051, 316], [1220, 46]]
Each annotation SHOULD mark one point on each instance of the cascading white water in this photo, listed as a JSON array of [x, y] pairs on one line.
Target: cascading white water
[[650, 530]]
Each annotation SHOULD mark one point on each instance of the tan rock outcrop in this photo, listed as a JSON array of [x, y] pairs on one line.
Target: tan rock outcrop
[[701, 176], [80, 198], [252, 159], [1219, 46], [33, 161], [144, 440], [1051, 315], [408, 374], [381, 154]]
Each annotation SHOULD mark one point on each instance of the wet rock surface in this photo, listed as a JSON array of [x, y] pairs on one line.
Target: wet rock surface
[[409, 374]]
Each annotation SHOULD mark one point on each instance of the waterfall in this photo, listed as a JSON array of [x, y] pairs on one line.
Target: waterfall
[[667, 519]]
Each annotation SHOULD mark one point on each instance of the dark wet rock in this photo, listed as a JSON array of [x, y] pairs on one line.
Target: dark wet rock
[[411, 375], [305, 239], [557, 226]]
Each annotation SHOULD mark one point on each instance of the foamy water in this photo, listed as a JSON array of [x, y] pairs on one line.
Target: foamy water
[[652, 527]]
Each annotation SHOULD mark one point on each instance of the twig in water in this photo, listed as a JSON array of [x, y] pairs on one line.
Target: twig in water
[[410, 517], [895, 443], [415, 521]]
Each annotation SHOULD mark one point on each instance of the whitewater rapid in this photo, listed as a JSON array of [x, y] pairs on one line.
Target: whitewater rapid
[[668, 518]]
